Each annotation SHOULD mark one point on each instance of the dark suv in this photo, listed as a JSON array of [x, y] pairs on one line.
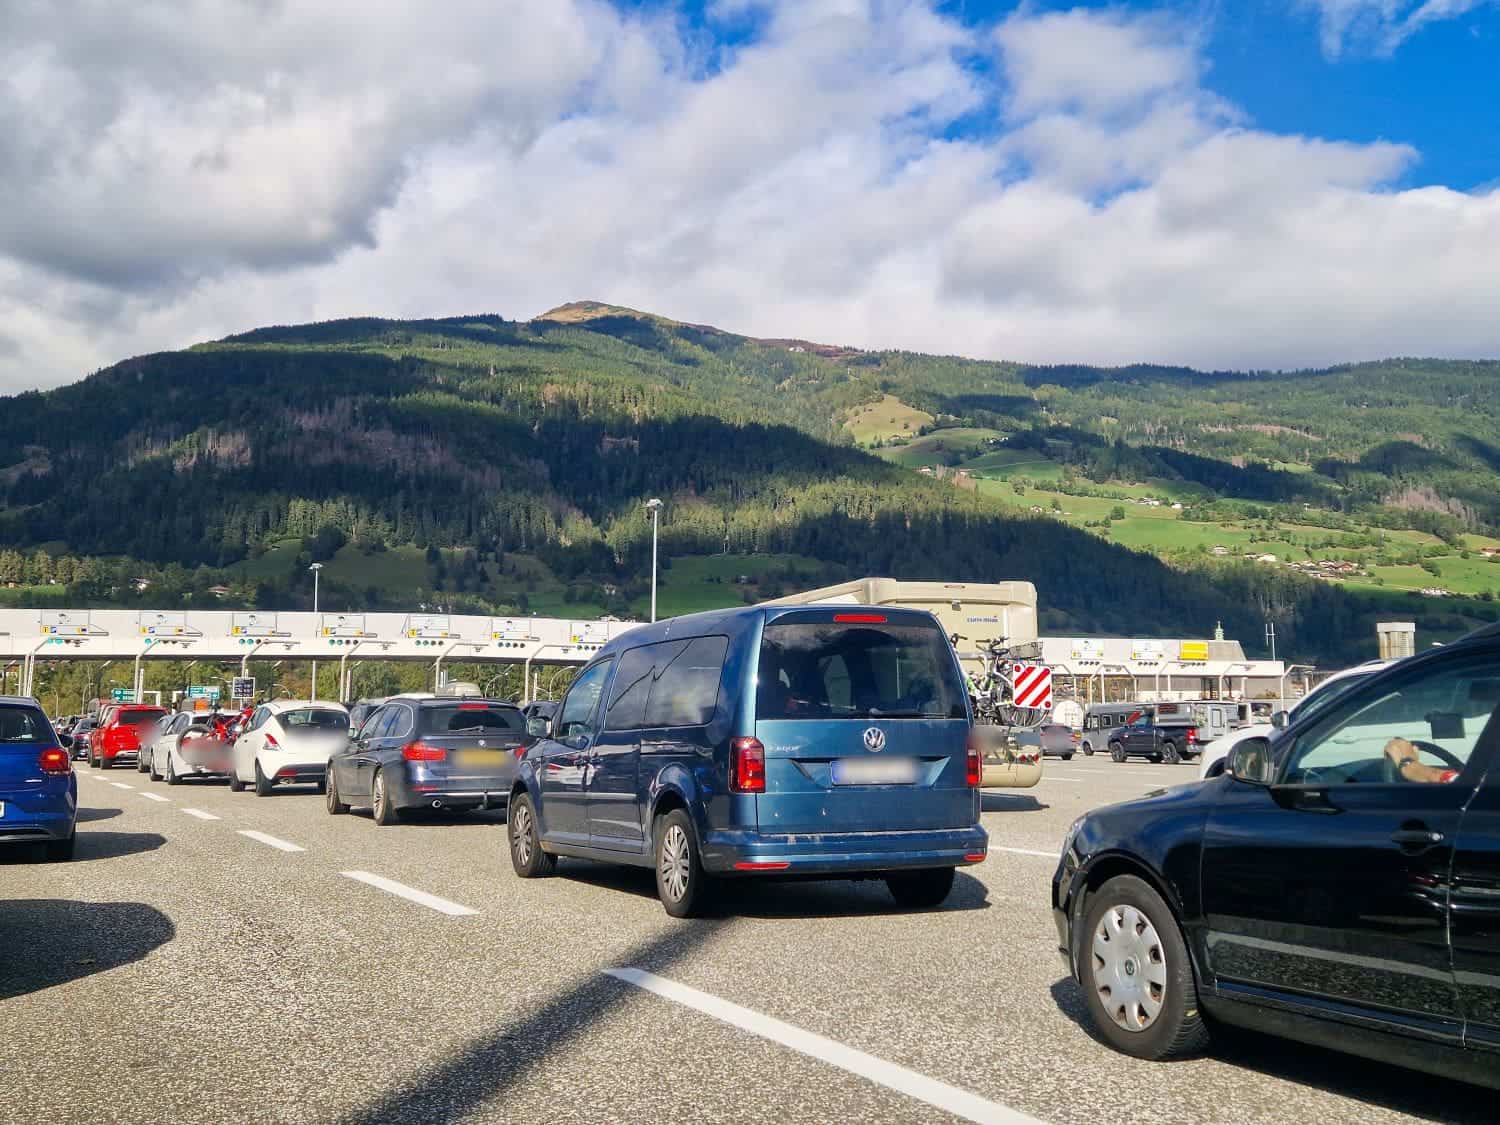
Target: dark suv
[[1147, 737], [1339, 885]]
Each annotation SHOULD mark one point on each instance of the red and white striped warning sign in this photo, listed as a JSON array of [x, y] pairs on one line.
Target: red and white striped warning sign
[[1031, 686]]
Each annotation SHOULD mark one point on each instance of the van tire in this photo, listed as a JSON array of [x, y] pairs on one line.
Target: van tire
[[1116, 751], [1088, 750], [680, 881], [1169, 752], [526, 856], [917, 890]]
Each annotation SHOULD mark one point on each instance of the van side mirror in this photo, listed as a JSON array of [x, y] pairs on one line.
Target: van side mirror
[[1280, 719], [1250, 761], [538, 727]]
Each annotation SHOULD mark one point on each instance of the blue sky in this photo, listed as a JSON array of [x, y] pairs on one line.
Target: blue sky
[[1217, 183]]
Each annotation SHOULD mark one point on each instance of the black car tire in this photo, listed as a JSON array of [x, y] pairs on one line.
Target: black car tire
[[1155, 757], [385, 813], [1179, 1028], [262, 782], [680, 880], [336, 807], [60, 851], [235, 784], [172, 777], [1088, 750], [1067, 757], [526, 856], [1116, 751], [1169, 752], [917, 890], [152, 771]]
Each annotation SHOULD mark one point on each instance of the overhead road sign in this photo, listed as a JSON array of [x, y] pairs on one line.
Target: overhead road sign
[[122, 695], [242, 687], [254, 625]]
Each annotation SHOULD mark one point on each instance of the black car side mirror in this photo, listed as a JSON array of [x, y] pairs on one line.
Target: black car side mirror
[[65, 741], [1250, 761], [1280, 719]]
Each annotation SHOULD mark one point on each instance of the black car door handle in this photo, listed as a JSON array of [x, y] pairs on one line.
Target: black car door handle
[[1416, 837]]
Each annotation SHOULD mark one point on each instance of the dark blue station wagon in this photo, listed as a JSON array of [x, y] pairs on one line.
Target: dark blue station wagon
[[821, 741]]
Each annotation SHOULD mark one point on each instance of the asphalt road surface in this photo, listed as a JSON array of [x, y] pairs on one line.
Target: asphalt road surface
[[221, 957]]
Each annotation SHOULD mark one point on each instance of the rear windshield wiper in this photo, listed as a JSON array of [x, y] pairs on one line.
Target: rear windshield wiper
[[877, 713]]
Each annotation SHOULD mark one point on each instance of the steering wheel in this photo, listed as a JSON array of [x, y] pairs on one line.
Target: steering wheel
[[1448, 758]]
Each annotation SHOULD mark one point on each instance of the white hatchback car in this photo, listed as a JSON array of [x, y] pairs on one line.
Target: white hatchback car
[[288, 741], [1216, 753]]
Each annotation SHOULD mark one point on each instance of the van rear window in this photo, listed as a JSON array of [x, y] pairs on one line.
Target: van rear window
[[833, 671]]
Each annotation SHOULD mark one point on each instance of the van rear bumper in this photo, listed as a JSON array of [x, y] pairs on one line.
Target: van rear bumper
[[841, 853]]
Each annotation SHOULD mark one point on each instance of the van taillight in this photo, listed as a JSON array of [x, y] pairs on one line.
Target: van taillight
[[859, 618], [1192, 734], [972, 764], [55, 761], [747, 766], [421, 752]]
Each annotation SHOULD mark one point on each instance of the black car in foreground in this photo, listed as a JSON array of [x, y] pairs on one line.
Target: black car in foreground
[[1339, 885]]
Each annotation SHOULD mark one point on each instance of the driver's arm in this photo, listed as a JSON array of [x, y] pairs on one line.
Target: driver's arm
[[1404, 756]]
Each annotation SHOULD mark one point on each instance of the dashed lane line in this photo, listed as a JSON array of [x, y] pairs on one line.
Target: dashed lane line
[[411, 894], [155, 797], [271, 841], [121, 785], [1026, 851], [201, 815], [960, 1103]]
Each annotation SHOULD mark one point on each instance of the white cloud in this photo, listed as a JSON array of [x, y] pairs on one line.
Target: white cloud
[[209, 172], [1380, 25]]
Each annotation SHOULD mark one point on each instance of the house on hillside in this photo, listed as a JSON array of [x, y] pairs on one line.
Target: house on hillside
[[220, 592], [1218, 552], [1434, 592], [1268, 558]]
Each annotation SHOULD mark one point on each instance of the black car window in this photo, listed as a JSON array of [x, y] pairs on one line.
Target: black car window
[[582, 702], [314, 720], [399, 724], [371, 726], [685, 687], [472, 718], [627, 705], [1441, 708], [24, 726]]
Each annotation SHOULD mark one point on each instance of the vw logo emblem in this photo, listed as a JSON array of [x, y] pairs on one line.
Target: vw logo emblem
[[874, 740]]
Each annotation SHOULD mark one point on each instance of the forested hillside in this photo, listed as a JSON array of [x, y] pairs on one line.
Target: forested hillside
[[498, 451]]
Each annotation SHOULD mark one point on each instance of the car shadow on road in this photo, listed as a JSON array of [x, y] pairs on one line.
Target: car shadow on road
[[90, 846], [1010, 802], [500, 1060], [52, 941], [767, 897], [1348, 1076], [87, 815]]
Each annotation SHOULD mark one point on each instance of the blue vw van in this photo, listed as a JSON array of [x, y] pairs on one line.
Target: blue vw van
[[814, 741]]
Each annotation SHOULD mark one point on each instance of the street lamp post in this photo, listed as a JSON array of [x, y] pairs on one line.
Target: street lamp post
[[315, 568], [654, 507]]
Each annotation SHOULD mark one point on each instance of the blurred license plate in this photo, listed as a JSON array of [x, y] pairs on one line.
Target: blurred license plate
[[2, 808], [481, 757], [874, 771]]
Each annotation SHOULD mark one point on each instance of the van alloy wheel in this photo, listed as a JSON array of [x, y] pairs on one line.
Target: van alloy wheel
[[675, 862], [1130, 971]]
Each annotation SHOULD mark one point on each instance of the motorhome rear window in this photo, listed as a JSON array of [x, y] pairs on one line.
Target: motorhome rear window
[[835, 671]]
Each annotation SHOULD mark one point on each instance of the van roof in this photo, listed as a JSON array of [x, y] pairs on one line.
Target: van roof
[[733, 622]]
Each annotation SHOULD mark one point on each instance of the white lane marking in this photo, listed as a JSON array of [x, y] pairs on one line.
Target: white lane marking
[[1054, 777], [121, 785], [960, 1103], [411, 894], [271, 841], [200, 814], [1025, 851], [155, 797]]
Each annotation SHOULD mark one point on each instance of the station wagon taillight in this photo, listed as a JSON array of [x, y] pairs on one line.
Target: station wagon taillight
[[421, 752], [747, 766], [972, 765], [55, 761]]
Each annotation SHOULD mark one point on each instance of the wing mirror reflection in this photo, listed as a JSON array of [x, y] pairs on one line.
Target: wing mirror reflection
[[1280, 719], [1250, 761], [538, 727]]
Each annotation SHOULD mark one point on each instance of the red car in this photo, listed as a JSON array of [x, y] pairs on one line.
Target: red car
[[118, 738]]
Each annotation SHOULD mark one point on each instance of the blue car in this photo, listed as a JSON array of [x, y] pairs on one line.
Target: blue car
[[821, 741], [38, 792]]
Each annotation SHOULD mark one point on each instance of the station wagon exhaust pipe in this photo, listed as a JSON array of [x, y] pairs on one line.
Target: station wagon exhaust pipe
[[437, 804]]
